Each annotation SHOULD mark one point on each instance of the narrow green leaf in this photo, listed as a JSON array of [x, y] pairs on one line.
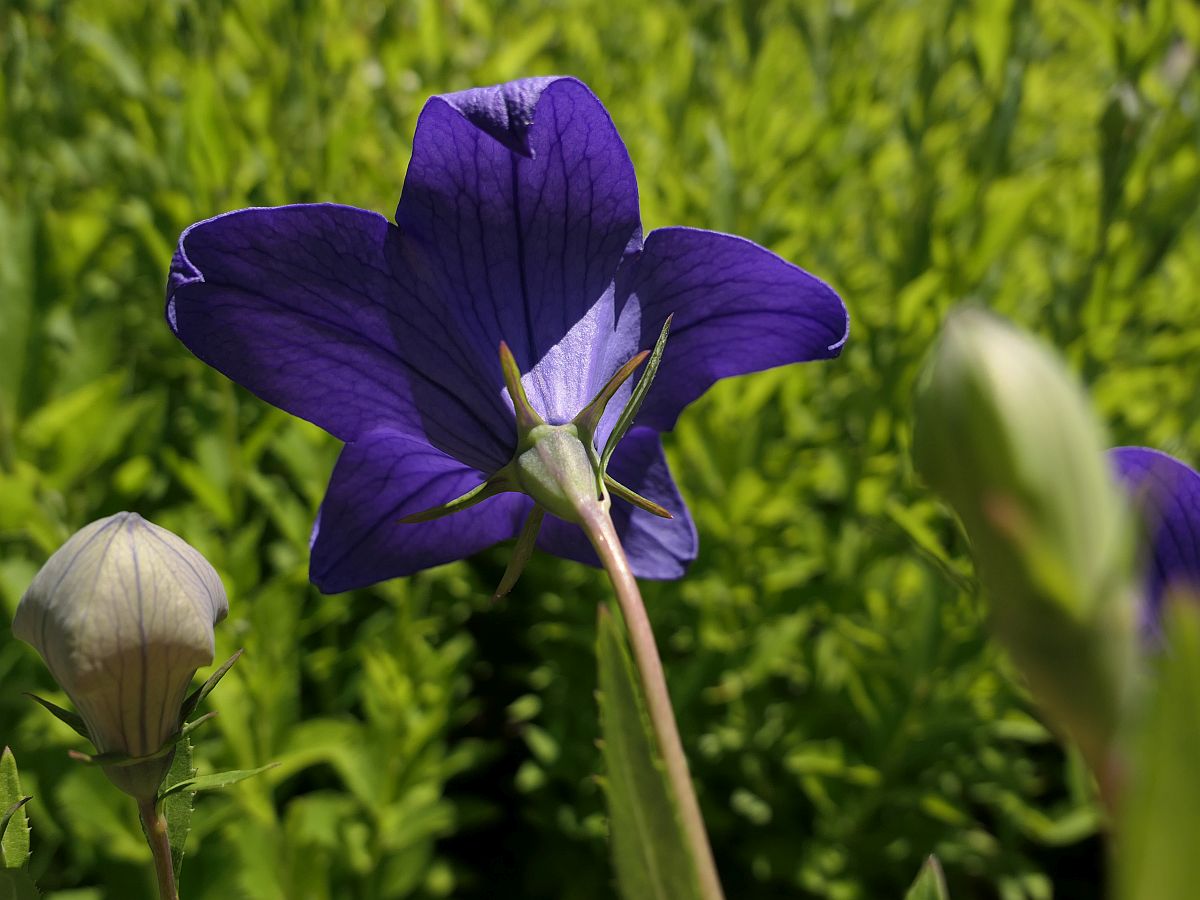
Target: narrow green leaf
[[1156, 852], [629, 413], [14, 826], [64, 715], [215, 781], [177, 808], [198, 695], [650, 850], [930, 883], [16, 884]]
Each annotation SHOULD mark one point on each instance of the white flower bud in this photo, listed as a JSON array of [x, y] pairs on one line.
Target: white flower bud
[[123, 614]]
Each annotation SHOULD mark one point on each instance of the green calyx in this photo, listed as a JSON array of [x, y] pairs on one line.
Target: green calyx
[[552, 462], [556, 466], [559, 465]]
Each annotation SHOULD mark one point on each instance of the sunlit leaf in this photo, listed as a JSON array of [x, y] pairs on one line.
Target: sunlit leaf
[[14, 826], [214, 781], [930, 883], [1156, 850], [649, 847]]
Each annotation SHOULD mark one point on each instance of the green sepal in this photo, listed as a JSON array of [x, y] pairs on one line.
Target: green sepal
[[14, 826], [650, 850], [631, 496], [497, 484], [122, 760], [588, 419], [213, 782], [63, 715], [930, 883], [177, 807], [526, 541], [15, 884], [629, 413], [527, 416], [197, 696], [191, 726]]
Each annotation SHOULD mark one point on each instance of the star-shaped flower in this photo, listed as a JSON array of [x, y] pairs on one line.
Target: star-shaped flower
[[518, 223], [1166, 493]]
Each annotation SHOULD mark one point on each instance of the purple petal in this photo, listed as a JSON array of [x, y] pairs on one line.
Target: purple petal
[[1167, 494], [358, 539], [316, 309], [505, 111], [738, 308], [521, 202], [657, 548]]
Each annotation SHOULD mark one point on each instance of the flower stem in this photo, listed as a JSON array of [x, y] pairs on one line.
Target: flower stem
[[603, 535], [155, 826]]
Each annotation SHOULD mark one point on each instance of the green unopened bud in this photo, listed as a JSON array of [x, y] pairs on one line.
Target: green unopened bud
[[1005, 433], [123, 614]]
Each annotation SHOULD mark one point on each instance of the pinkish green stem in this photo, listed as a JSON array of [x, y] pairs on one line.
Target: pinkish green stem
[[160, 846], [600, 531]]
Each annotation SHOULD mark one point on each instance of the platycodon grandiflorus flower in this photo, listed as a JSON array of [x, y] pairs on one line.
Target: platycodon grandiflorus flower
[[1166, 493], [517, 238]]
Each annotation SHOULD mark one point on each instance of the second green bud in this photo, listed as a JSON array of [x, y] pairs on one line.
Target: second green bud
[[1006, 434]]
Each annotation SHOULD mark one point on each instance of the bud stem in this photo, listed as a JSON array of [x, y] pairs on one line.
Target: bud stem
[[155, 826], [600, 531]]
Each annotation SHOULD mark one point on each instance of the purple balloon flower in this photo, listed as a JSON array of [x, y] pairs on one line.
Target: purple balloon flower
[[1167, 495], [518, 222]]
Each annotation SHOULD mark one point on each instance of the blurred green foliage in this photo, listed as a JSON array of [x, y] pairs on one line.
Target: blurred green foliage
[[843, 709]]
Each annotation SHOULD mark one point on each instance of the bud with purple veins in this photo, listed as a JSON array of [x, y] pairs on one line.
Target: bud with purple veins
[[123, 615]]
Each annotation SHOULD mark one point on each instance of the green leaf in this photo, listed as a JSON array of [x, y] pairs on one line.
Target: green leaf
[[1156, 852], [14, 826], [649, 847], [12, 849], [16, 885], [197, 696], [64, 715], [930, 883], [177, 807], [215, 781]]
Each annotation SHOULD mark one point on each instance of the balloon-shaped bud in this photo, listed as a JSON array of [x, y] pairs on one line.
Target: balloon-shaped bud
[[123, 614], [1005, 433]]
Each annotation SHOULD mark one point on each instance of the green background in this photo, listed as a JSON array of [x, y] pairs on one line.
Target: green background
[[843, 708]]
